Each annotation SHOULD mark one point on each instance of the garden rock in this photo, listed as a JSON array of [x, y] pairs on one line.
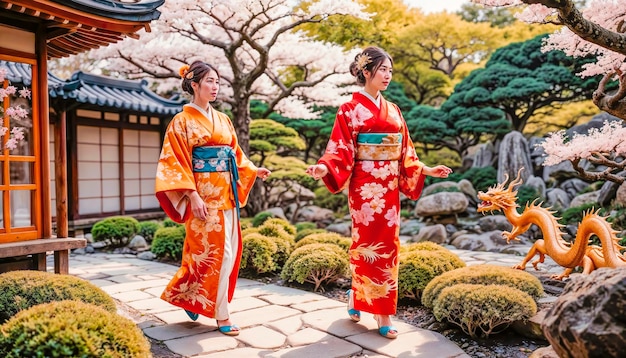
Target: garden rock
[[314, 214], [557, 198], [489, 241], [544, 352], [587, 320], [513, 155], [494, 222], [410, 227], [608, 192], [586, 198], [620, 195], [466, 187], [441, 204], [484, 156], [342, 228], [433, 233], [290, 193], [538, 184], [573, 186], [146, 255], [440, 186], [138, 243], [531, 328], [277, 212]]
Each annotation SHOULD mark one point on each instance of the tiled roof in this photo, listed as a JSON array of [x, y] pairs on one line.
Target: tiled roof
[[75, 26], [99, 91]]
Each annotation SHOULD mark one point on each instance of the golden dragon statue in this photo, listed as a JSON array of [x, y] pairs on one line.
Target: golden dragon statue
[[579, 253]]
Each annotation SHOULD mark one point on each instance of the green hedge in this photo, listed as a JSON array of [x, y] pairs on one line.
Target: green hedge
[[71, 329], [20, 290]]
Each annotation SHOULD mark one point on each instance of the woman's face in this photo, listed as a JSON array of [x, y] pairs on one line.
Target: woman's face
[[379, 81], [208, 87]]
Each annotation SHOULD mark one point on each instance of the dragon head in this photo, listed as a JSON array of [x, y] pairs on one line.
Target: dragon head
[[498, 198]]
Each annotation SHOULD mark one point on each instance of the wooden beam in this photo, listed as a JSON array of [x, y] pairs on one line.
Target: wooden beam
[[44, 219], [60, 168], [14, 249]]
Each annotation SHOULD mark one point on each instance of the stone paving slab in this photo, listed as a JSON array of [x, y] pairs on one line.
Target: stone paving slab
[[262, 337], [204, 343], [182, 329]]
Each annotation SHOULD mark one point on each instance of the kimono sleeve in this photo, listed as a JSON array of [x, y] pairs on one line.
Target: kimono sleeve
[[412, 179], [339, 154], [174, 172]]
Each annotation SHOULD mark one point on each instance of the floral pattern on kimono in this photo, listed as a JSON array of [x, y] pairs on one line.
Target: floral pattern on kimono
[[194, 286], [374, 188]]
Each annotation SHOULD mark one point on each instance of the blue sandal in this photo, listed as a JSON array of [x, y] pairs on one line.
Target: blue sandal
[[232, 330], [355, 315], [193, 316], [390, 332]]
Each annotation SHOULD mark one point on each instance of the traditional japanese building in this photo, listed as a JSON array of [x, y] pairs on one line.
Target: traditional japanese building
[[31, 32]]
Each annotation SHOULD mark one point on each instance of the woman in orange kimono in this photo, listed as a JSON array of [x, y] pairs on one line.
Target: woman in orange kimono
[[370, 152], [203, 177]]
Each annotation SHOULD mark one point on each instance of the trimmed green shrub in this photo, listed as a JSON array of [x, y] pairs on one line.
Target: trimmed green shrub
[[257, 254], [168, 242], [484, 275], [419, 267], [147, 229], [248, 231], [306, 232], [305, 225], [423, 245], [20, 290], [260, 218], [482, 310], [327, 200], [71, 329], [284, 240], [115, 230], [290, 229], [326, 238], [170, 223], [317, 264]]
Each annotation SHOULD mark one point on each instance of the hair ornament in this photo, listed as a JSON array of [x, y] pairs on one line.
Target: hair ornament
[[184, 72], [362, 60]]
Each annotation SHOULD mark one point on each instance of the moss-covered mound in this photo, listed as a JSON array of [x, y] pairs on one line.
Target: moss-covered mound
[[20, 290], [484, 275], [71, 329]]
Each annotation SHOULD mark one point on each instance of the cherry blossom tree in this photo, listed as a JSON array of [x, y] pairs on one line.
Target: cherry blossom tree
[[15, 113], [256, 46], [598, 30]]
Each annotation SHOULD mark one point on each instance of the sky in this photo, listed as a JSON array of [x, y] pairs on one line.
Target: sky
[[429, 6]]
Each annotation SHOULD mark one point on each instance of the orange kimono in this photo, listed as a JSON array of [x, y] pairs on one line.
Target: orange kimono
[[370, 152], [206, 280]]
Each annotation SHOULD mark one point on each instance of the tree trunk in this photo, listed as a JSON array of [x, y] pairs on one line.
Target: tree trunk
[[241, 121]]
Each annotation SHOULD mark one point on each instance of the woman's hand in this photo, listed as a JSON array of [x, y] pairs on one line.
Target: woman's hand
[[198, 207], [440, 171], [263, 173], [317, 171]]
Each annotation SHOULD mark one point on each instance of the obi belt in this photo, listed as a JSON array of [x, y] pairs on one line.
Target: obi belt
[[211, 159], [379, 146]]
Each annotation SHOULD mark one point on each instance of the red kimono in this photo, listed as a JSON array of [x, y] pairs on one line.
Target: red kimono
[[375, 175]]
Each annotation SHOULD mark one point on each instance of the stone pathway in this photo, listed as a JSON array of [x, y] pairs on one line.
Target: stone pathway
[[276, 321]]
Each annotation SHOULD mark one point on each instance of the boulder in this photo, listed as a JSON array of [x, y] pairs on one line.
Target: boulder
[[620, 195], [514, 154], [538, 184], [441, 204], [557, 198], [434, 233], [587, 320], [314, 214], [586, 198], [494, 222], [484, 156]]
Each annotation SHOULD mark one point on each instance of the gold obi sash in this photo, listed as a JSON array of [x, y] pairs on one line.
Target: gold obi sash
[[379, 146]]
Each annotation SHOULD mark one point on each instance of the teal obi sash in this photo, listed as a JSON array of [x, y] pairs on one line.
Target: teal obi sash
[[212, 159], [379, 146]]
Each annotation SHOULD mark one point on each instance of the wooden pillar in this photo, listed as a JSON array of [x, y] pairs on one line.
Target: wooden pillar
[[42, 72], [60, 168]]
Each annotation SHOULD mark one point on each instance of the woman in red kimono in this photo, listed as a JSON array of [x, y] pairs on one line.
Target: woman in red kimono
[[370, 152], [203, 178]]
